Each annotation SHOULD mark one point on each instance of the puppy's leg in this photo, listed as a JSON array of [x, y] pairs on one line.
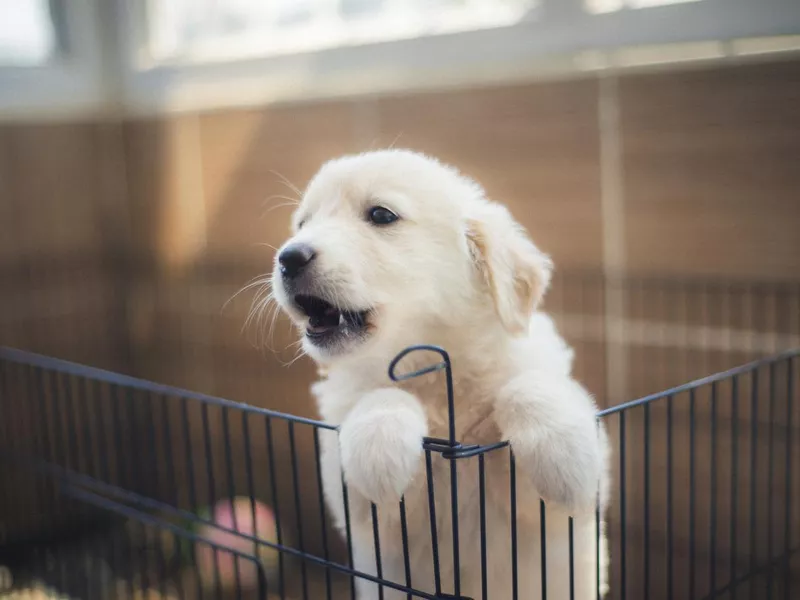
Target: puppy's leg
[[381, 444], [550, 421]]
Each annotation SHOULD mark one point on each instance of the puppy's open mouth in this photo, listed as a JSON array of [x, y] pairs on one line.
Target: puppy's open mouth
[[326, 321]]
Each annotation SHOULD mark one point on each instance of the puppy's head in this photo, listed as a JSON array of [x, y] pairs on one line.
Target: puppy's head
[[392, 248]]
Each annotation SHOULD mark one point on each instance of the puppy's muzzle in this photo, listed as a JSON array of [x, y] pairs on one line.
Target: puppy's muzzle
[[294, 259]]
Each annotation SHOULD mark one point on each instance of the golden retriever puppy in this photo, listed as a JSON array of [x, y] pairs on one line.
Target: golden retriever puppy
[[391, 249]]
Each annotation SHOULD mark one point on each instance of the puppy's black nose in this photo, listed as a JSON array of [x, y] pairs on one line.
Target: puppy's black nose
[[295, 258]]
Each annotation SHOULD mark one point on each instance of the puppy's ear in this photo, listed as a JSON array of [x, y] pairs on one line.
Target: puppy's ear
[[515, 271]]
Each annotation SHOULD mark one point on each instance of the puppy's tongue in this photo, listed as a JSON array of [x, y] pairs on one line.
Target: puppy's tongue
[[330, 319]]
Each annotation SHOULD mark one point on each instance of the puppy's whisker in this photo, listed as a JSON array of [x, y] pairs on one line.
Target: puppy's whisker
[[273, 321], [254, 308], [259, 305], [267, 244], [258, 298], [289, 199], [259, 280], [275, 313], [297, 357], [277, 206], [287, 183], [396, 139], [296, 346], [298, 349], [267, 310], [262, 311]]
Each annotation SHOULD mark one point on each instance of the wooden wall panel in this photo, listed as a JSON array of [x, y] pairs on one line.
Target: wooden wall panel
[[710, 171], [8, 208], [63, 188], [63, 209], [52, 189], [167, 212]]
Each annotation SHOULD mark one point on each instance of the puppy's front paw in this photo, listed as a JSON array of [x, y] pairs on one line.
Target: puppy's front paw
[[381, 444], [556, 442], [562, 470]]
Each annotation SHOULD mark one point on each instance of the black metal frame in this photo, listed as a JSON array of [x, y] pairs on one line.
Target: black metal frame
[[94, 448]]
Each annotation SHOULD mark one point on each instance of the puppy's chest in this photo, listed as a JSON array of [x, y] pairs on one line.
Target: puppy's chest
[[473, 410], [432, 486]]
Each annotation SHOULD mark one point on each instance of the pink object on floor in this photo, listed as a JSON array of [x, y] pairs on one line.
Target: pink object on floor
[[237, 515]]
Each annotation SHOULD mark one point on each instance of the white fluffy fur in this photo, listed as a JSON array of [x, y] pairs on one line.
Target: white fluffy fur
[[455, 271]]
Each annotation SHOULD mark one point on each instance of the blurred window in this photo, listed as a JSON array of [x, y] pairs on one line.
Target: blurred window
[[207, 30], [27, 33], [607, 6]]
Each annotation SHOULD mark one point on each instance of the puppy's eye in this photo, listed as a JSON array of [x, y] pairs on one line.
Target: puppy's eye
[[301, 224], [381, 216]]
